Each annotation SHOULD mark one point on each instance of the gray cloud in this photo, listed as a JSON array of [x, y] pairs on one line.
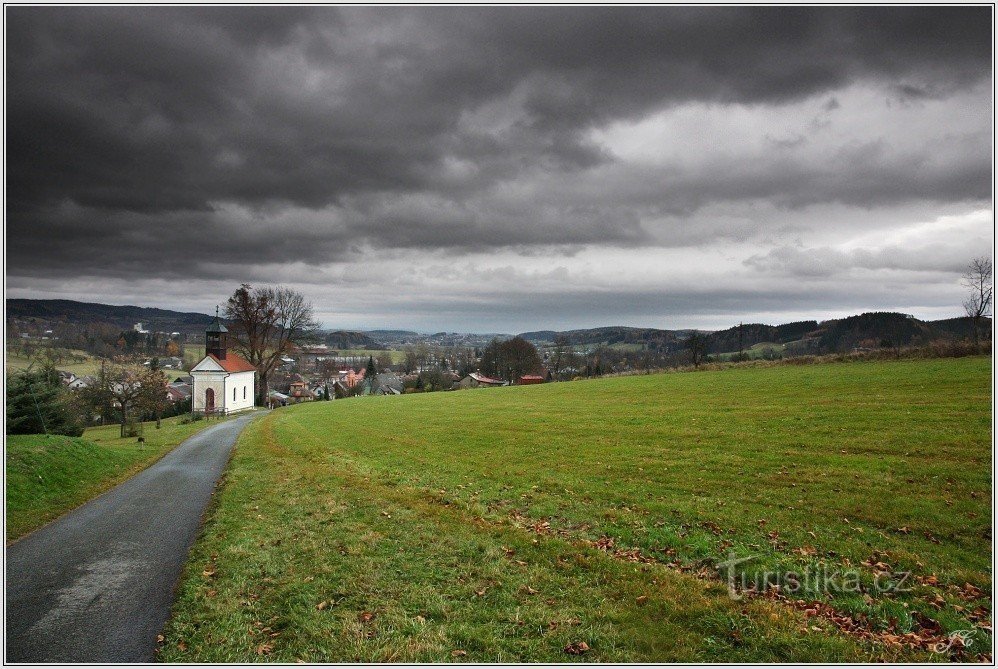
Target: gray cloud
[[183, 141]]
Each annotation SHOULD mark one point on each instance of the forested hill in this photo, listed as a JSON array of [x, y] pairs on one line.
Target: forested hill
[[83, 313], [616, 334], [873, 329], [346, 339]]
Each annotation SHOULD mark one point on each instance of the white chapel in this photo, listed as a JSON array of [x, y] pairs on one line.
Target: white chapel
[[224, 382]]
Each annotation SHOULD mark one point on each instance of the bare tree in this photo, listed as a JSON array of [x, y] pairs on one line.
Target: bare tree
[[129, 391], [268, 323], [696, 344], [153, 399], [978, 280], [562, 349]]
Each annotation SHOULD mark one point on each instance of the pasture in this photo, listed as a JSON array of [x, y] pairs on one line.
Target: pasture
[[592, 521]]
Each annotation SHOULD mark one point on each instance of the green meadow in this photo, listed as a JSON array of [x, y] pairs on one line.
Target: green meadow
[[585, 521], [48, 475]]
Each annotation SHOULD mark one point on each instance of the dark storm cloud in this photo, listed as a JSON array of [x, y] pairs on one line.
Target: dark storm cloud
[[198, 136]]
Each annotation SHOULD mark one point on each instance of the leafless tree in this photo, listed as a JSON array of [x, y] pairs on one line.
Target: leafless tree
[[129, 391], [696, 344], [562, 350], [268, 323], [978, 280]]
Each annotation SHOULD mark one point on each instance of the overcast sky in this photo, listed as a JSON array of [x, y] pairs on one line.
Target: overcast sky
[[502, 169]]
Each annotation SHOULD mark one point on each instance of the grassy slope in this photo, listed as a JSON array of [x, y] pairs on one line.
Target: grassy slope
[[50, 475], [404, 508]]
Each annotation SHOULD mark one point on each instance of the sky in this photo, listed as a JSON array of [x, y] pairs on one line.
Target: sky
[[503, 169]]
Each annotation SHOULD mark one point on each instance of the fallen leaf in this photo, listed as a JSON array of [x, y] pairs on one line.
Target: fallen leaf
[[577, 648], [264, 649], [458, 653], [321, 605], [642, 599], [366, 617], [160, 638]]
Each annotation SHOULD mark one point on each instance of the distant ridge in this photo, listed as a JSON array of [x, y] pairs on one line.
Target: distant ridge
[[71, 311], [871, 329]]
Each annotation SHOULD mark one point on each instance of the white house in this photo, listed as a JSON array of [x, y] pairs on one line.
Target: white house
[[224, 383]]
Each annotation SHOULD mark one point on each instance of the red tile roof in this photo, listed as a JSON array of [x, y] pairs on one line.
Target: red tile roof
[[233, 363]]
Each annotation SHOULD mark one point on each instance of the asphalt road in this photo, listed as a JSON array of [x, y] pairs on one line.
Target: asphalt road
[[96, 585]]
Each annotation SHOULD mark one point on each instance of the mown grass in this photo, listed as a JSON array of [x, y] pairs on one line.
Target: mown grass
[[48, 475], [395, 529]]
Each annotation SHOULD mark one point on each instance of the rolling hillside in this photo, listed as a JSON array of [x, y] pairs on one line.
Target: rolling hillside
[[587, 520]]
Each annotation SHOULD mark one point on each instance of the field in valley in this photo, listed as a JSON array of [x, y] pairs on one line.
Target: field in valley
[[585, 521], [77, 362]]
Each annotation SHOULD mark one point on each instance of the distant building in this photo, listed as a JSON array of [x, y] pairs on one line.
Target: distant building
[[276, 399], [174, 394], [387, 383], [530, 379], [476, 380], [169, 362], [299, 392], [81, 382]]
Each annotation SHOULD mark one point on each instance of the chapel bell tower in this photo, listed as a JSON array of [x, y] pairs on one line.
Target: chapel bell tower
[[214, 338]]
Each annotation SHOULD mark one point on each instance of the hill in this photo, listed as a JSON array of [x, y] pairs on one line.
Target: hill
[[868, 330], [653, 338], [124, 317], [517, 522], [750, 334], [345, 339], [958, 328]]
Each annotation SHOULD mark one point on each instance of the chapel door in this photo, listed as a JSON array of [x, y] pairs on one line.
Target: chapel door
[[209, 400]]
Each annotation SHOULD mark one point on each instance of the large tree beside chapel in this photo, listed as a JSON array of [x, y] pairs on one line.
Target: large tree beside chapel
[[268, 323]]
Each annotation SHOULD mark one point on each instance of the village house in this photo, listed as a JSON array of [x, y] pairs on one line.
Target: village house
[[350, 378], [276, 399], [169, 362], [476, 380], [299, 392], [224, 382]]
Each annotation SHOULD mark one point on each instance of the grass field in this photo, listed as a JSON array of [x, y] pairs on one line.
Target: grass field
[[515, 524], [88, 366], [48, 475], [397, 356]]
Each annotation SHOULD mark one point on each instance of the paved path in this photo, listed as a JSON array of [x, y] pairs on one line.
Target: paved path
[[96, 585]]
